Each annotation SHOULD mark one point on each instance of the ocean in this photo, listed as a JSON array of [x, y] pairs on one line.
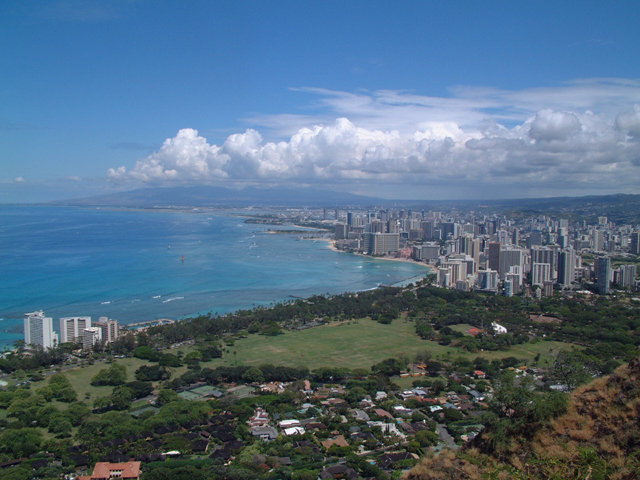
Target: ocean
[[140, 265]]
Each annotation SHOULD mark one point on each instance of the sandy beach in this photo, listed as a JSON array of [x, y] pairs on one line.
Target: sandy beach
[[331, 244]]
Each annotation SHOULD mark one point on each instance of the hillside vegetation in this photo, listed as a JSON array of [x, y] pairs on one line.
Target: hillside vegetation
[[597, 438]]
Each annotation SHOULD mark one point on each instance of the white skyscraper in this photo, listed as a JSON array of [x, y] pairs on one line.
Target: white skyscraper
[[71, 328], [38, 330]]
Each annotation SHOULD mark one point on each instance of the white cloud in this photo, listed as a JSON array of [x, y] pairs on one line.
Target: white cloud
[[630, 122], [497, 143], [549, 125]]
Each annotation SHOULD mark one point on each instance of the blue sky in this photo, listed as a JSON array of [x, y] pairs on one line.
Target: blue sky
[[404, 99]]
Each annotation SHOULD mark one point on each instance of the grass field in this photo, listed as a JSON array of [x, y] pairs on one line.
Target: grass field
[[352, 344], [360, 344], [80, 378]]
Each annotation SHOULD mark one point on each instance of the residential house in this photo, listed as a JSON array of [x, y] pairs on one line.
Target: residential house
[[108, 471]]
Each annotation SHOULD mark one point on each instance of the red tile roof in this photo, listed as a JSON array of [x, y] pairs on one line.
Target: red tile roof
[[105, 470]]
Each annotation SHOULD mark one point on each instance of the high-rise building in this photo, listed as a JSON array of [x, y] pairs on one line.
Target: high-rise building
[[444, 277], [548, 254], [597, 240], [458, 270], [38, 330], [635, 243], [540, 273], [628, 276], [109, 329], [509, 257], [91, 336], [494, 256], [535, 238], [566, 267], [427, 228], [603, 275], [487, 280], [381, 243], [376, 226], [342, 231], [71, 328]]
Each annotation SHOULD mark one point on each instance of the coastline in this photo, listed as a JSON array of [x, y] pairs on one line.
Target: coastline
[[331, 245], [255, 275]]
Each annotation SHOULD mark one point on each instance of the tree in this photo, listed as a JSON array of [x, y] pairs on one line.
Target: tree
[[60, 426], [121, 397], [76, 413], [426, 438], [193, 358], [152, 373], [166, 396], [61, 388], [20, 442], [571, 369], [253, 375], [114, 375]]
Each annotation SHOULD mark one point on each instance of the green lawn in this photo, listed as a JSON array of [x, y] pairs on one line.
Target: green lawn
[[352, 344], [360, 344], [80, 378]]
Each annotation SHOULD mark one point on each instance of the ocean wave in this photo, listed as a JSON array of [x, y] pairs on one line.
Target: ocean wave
[[105, 303], [172, 299]]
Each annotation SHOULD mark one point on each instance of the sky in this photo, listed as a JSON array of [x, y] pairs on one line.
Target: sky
[[403, 99]]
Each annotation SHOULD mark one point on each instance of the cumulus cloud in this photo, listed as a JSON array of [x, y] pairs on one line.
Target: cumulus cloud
[[630, 122], [549, 125], [481, 144]]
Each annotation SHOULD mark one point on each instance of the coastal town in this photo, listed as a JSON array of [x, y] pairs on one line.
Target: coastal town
[[507, 306]]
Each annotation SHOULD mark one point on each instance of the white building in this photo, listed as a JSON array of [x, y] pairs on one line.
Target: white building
[[72, 328], [91, 336], [38, 330], [498, 329]]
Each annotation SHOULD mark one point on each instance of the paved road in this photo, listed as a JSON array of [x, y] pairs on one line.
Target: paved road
[[446, 437]]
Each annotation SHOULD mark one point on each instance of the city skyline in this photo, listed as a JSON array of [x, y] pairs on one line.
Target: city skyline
[[417, 101]]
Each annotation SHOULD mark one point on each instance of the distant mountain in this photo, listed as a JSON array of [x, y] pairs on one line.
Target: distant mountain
[[619, 208], [209, 196]]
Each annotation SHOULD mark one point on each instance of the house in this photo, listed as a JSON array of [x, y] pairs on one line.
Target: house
[[498, 329], [265, 432], [360, 415], [339, 441], [388, 428], [383, 413], [107, 471], [289, 423], [293, 431], [338, 471], [260, 418]]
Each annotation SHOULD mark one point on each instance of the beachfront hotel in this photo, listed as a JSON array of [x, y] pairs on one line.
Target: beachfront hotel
[[38, 330]]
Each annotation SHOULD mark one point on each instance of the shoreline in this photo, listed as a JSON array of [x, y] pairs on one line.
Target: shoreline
[[331, 245]]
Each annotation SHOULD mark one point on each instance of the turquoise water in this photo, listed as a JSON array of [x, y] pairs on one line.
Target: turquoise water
[[128, 265]]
